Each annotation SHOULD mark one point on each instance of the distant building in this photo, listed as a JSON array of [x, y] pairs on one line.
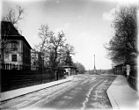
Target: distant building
[[16, 52], [119, 69], [70, 70], [68, 66], [34, 60], [37, 60]]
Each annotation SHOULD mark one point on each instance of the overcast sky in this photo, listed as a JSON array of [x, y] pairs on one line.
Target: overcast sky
[[86, 23]]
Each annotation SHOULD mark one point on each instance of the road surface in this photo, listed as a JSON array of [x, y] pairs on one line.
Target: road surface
[[83, 92]]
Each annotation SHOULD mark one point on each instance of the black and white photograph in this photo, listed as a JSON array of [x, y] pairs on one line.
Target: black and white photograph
[[69, 55]]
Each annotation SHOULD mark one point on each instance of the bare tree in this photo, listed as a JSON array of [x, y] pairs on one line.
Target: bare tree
[[56, 44], [66, 52], [14, 16], [44, 36], [42, 49], [69, 49], [54, 48], [50, 45]]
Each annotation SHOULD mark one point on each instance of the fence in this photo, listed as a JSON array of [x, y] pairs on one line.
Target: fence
[[9, 66], [119, 69], [131, 77], [133, 82], [16, 76]]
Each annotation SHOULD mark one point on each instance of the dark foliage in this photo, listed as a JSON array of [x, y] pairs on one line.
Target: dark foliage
[[123, 46]]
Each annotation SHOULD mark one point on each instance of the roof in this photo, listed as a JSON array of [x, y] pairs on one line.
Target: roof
[[119, 65], [66, 66], [19, 37], [8, 30]]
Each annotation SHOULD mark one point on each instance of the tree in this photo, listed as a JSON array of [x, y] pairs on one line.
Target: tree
[[14, 16], [67, 51], [123, 46], [80, 68], [51, 46], [43, 47], [56, 52], [56, 45]]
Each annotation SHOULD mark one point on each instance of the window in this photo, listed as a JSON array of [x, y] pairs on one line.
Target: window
[[14, 45], [14, 57]]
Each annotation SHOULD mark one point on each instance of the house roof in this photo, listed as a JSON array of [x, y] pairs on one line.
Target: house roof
[[119, 65], [66, 66], [8, 31]]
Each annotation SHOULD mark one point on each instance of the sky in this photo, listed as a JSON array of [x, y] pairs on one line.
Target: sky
[[87, 25]]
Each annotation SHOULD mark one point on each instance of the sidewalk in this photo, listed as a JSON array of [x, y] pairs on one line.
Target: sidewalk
[[121, 95], [22, 91]]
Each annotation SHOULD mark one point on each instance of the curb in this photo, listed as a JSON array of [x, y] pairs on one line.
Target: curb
[[121, 95], [111, 97], [22, 91], [112, 100]]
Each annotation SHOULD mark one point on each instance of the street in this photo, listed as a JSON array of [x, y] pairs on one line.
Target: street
[[69, 55], [83, 92]]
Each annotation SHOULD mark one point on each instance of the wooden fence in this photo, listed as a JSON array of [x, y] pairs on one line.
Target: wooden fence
[[9, 66], [133, 82], [14, 78]]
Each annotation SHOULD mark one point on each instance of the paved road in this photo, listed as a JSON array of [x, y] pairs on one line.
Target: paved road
[[84, 92]]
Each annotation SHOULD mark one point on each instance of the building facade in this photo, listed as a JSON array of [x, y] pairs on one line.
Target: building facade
[[15, 50]]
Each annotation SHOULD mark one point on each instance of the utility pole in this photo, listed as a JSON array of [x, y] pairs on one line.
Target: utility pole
[[94, 65]]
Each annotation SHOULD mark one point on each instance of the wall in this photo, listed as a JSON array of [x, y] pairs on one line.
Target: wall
[[8, 53], [26, 55]]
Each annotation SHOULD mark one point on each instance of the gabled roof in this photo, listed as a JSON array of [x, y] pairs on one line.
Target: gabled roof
[[7, 28], [8, 31]]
